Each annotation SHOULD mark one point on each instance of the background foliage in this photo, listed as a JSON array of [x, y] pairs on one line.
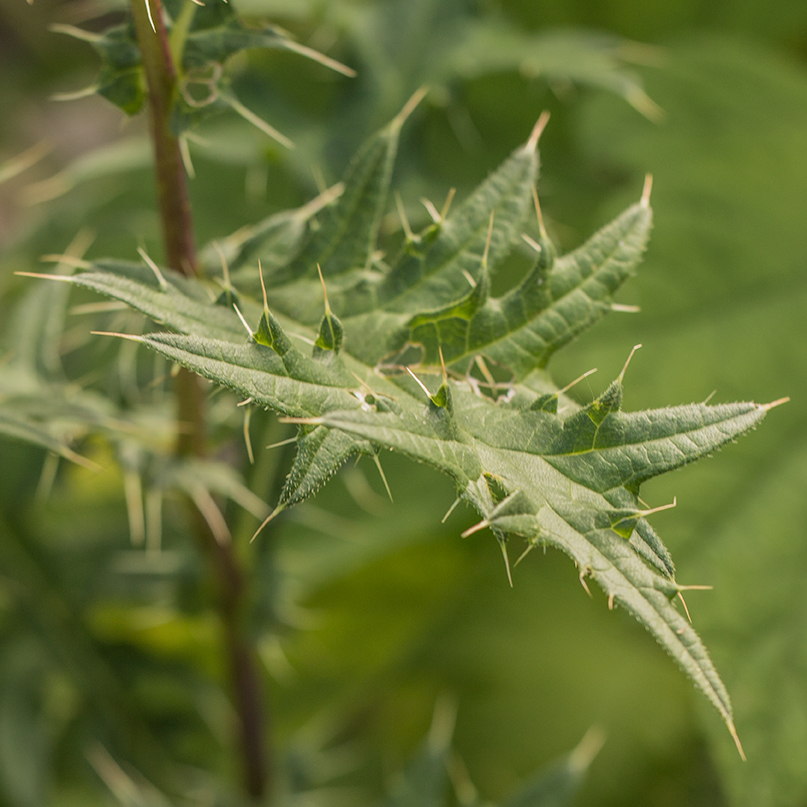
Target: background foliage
[[376, 609]]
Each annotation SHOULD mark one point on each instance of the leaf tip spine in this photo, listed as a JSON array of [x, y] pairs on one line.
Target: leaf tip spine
[[736, 737], [69, 260], [447, 203], [151, 19], [419, 383], [410, 236], [582, 578], [627, 362], [431, 210], [539, 213], [410, 106], [244, 322], [130, 336], [646, 189], [383, 476], [263, 285], [154, 268], [450, 510], [276, 512], [577, 381], [503, 545], [684, 603], [537, 131], [767, 406], [476, 528], [46, 276]]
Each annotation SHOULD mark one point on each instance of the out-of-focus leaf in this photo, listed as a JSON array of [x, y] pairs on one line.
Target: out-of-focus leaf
[[723, 305], [24, 742], [557, 785]]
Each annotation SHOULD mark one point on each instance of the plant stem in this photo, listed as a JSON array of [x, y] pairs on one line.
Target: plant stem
[[180, 254]]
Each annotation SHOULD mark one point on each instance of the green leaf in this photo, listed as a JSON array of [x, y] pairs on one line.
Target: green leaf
[[567, 479], [724, 309], [556, 785]]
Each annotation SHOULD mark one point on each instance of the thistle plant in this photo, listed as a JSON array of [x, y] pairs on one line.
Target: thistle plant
[[366, 343]]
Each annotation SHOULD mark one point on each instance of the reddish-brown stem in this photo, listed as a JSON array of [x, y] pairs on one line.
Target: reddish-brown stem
[[180, 254]]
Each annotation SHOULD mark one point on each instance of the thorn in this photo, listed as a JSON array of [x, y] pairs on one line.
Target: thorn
[[410, 236], [246, 401], [324, 60], [211, 514], [645, 105], [410, 105], [76, 33], [503, 545], [450, 510], [577, 380], [263, 285], [69, 260], [319, 179], [530, 547], [369, 389], [773, 404], [447, 203], [695, 588], [710, 396], [483, 368], [736, 738], [243, 321], [383, 476], [627, 362], [71, 455], [648, 186], [185, 153], [442, 363], [260, 123], [154, 268], [532, 242], [684, 603], [538, 212], [224, 268], [476, 528], [627, 309], [645, 513], [45, 276], [537, 131], [420, 383], [487, 241], [151, 19], [276, 512], [282, 443], [611, 601], [130, 336], [587, 749], [323, 200], [305, 421], [583, 583], [431, 209], [324, 292], [469, 277], [247, 440], [76, 95]]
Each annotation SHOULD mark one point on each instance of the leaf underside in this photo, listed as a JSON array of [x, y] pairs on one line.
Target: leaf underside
[[344, 368]]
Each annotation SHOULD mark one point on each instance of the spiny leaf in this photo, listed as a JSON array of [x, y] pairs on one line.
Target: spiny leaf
[[569, 481]]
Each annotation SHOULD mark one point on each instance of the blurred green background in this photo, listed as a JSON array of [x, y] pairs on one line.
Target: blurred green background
[[377, 609]]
